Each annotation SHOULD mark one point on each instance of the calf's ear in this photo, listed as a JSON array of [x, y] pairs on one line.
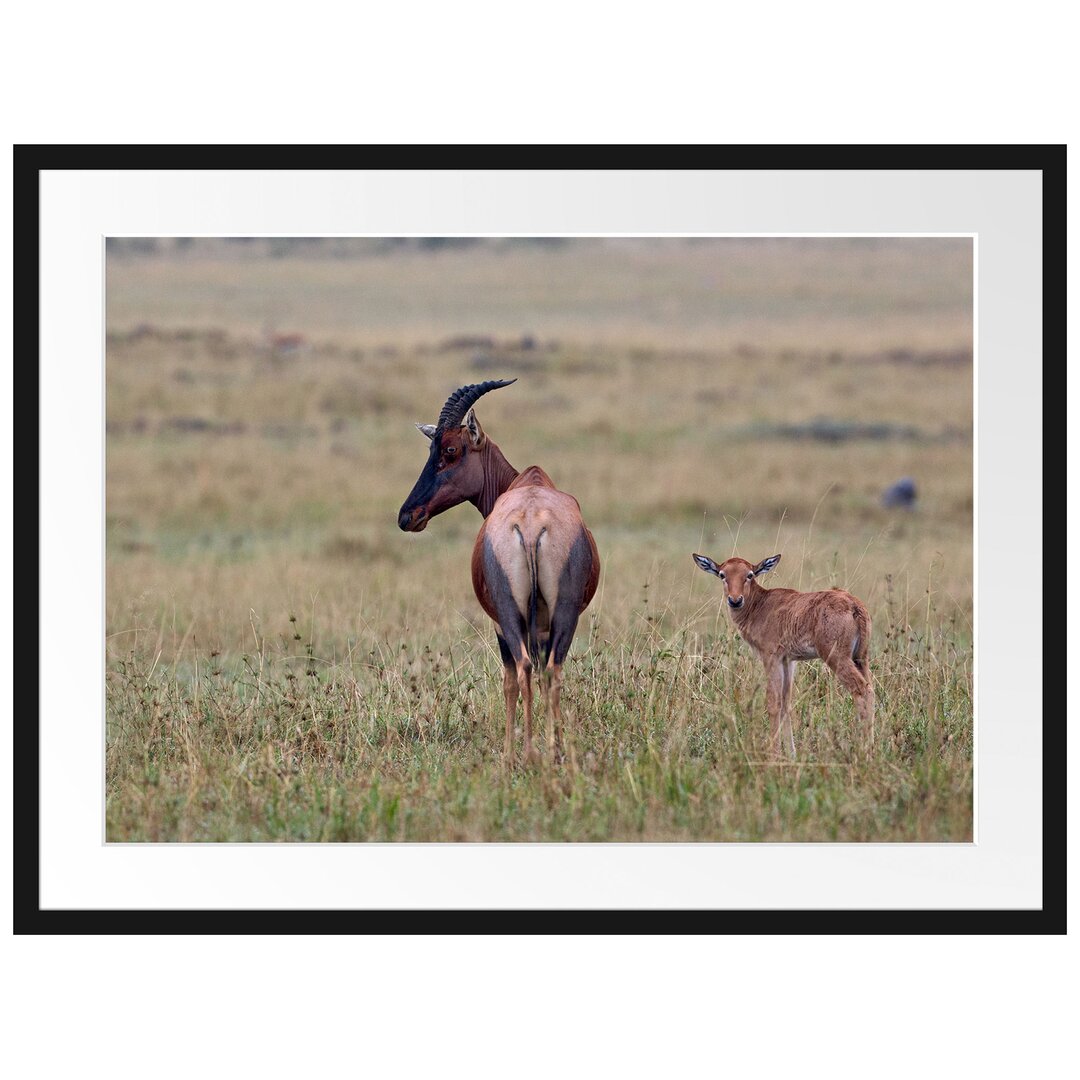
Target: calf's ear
[[766, 565], [706, 564]]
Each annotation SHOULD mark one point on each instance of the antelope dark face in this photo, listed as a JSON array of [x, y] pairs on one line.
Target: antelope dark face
[[454, 472]]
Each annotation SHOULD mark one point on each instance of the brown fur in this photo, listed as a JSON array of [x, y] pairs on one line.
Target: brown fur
[[784, 626], [526, 543], [531, 531]]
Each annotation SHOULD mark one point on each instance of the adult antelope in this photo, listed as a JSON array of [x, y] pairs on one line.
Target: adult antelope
[[534, 565], [784, 626]]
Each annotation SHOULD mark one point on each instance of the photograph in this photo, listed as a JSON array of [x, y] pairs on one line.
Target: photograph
[[545, 539]]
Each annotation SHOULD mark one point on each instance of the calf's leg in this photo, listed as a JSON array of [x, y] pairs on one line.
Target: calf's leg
[[785, 701], [858, 685], [774, 696]]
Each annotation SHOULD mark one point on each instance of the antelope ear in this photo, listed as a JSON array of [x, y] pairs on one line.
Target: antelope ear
[[426, 429], [766, 565], [473, 429], [706, 564]]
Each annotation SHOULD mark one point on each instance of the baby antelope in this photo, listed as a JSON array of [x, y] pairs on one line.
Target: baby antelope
[[784, 626]]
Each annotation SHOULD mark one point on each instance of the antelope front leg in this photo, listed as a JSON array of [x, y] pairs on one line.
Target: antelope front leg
[[774, 699]]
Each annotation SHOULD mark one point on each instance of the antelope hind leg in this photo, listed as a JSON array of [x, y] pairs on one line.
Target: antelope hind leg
[[524, 680], [510, 695], [554, 677]]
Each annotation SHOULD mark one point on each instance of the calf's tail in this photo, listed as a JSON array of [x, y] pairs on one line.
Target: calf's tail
[[862, 642]]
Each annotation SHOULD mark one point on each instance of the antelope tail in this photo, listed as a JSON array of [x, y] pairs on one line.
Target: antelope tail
[[534, 594]]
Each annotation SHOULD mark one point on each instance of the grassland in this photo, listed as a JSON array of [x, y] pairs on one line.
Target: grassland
[[284, 664]]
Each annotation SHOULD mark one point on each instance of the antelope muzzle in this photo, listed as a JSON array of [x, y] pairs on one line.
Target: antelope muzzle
[[414, 519]]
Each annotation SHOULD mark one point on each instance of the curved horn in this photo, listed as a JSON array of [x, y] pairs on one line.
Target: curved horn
[[460, 401]]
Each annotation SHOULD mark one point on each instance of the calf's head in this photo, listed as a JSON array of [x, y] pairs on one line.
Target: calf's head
[[737, 575]]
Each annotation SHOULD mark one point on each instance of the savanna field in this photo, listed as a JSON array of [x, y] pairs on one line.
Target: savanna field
[[282, 663]]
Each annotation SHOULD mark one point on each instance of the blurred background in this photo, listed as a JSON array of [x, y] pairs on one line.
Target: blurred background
[[261, 396]]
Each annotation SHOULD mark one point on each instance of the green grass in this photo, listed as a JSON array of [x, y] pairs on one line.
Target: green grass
[[402, 741]]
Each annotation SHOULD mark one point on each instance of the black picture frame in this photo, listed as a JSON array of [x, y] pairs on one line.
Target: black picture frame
[[31, 160]]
